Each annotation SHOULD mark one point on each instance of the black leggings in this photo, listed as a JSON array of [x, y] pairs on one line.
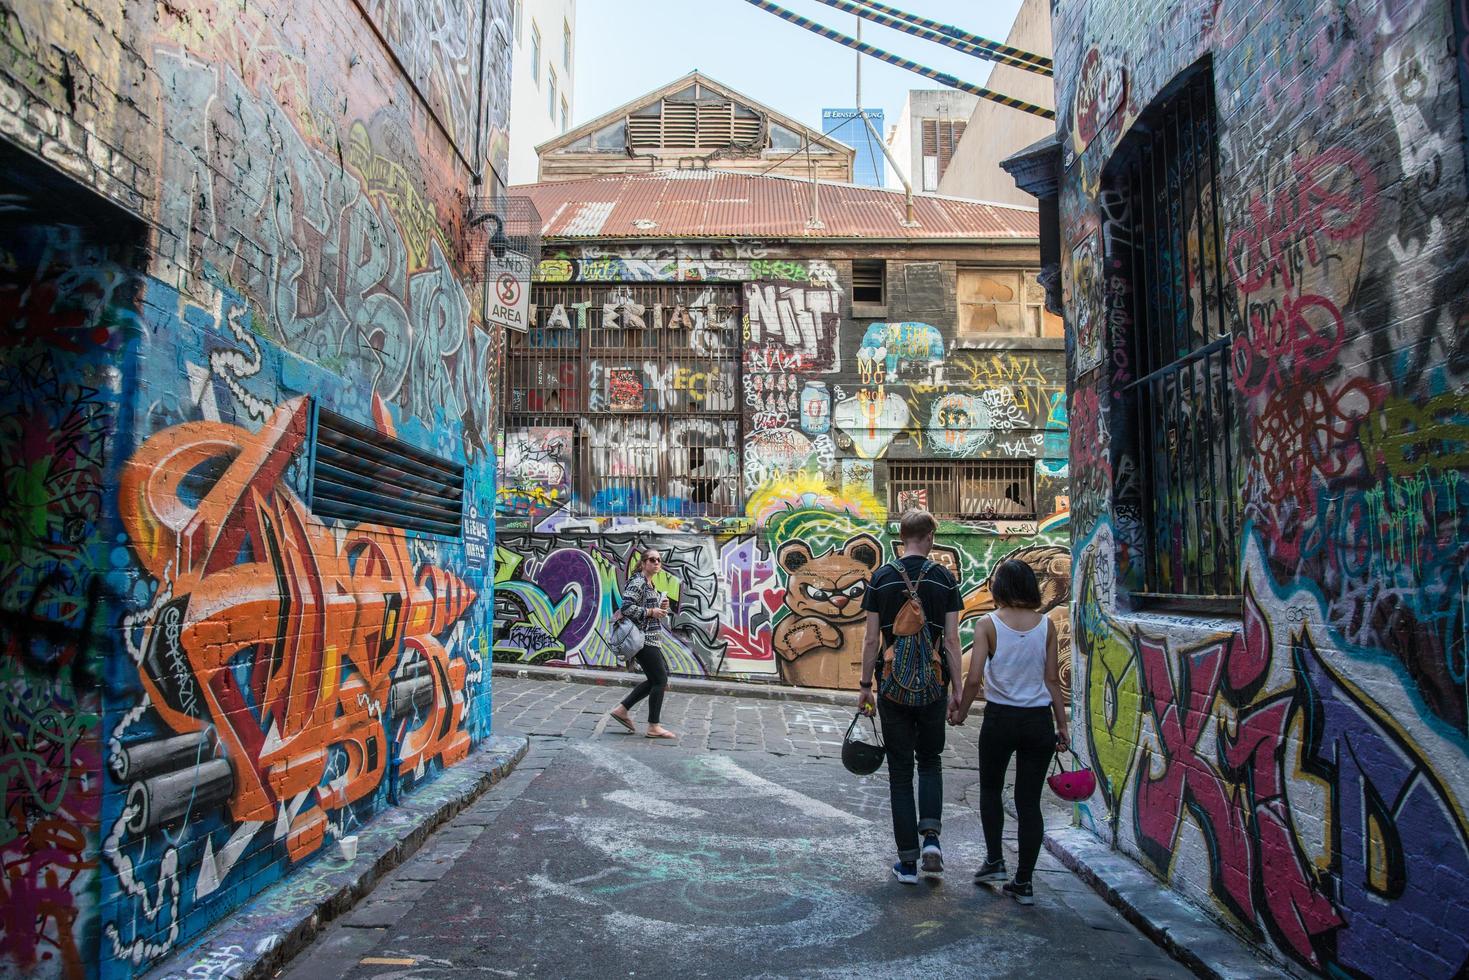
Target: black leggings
[[655, 682], [1029, 734]]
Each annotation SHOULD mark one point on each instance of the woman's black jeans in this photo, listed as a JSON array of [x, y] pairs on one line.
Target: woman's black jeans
[[655, 682], [1029, 734], [911, 733]]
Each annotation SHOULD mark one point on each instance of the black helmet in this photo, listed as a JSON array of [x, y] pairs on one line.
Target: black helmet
[[861, 758]]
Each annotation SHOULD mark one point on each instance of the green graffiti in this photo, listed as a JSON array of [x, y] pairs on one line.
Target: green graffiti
[[1114, 697]]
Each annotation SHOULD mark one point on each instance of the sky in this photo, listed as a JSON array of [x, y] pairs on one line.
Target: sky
[[625, 48]]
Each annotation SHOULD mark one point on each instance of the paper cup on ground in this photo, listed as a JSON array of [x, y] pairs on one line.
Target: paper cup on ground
[[347, 847]]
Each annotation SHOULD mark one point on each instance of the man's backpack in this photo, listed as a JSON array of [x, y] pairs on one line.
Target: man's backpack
[[913, 673]]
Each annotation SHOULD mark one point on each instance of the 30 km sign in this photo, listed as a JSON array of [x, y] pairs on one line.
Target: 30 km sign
[[509, 298]]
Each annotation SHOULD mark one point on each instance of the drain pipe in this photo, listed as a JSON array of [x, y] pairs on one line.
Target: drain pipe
[[907, 185]]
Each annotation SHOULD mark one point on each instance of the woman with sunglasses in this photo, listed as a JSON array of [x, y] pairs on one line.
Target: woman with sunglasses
[[646, 606]]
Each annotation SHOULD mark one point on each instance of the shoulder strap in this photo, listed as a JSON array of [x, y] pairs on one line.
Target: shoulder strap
[[912, 589]]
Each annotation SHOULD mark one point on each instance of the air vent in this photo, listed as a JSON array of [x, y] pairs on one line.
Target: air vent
[[360, 475]]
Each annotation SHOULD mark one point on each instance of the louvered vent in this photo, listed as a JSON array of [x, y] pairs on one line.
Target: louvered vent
[[867, 280], [686, 125], [361, 475]]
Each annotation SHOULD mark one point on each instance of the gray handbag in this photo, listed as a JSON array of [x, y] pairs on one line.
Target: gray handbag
[[627, 639]]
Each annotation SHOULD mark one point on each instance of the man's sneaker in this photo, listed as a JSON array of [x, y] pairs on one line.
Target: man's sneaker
[[991, 871], [931, 860], [1022, 892], [906, 872]]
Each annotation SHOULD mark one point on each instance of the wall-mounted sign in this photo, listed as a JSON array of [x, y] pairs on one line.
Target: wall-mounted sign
[[507, 286]]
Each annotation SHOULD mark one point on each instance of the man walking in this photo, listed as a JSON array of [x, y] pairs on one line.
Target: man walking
[[910, 688]]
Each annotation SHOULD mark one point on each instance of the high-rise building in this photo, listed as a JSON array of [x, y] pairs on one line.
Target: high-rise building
[[847, 126]]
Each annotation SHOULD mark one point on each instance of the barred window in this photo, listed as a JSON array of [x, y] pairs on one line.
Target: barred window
[[625, 398], [981, 489], [1187, 434]]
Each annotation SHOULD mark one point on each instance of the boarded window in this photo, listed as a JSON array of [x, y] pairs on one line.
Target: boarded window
[[940, 139], [1003, 303]]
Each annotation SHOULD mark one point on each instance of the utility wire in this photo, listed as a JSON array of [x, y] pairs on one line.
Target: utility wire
[[892, 59], [978, 47], [1040, 61]]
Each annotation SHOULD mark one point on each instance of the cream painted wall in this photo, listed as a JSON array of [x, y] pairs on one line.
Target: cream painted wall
[[995, 131], [531, 122]]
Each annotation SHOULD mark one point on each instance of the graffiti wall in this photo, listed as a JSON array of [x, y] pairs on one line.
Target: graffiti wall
[[831, 407], [205, 681], [1294, 762]]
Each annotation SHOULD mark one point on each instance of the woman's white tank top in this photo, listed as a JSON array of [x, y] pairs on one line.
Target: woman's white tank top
[[1015, 673]]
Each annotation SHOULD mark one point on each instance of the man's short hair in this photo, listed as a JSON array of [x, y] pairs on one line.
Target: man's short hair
[[917, 524]]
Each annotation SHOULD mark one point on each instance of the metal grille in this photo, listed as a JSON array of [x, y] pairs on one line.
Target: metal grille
[[1188, 436], [984, 489], [359, 474], [647, 380]]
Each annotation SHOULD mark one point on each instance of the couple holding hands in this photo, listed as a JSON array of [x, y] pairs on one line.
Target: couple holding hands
[[1015, 657]]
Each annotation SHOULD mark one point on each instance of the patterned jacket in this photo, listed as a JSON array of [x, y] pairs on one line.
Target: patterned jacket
[[638, 596]]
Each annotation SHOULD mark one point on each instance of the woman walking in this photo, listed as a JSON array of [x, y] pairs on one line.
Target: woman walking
[[648, 608], [1015, 653]]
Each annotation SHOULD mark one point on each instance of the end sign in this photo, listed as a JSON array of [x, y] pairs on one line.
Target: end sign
[[509, 299]]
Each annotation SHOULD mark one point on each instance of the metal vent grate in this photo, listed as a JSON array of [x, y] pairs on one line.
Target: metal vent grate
[[359, 474]]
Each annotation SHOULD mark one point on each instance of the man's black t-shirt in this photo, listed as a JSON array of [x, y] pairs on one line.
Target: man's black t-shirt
[[937, 590]]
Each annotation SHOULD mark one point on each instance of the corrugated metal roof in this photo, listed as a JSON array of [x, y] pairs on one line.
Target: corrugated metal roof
[[721, 204]]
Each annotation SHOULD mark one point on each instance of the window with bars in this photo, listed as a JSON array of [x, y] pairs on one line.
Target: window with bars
[[1187, 433], [979, 489], [642, 382]]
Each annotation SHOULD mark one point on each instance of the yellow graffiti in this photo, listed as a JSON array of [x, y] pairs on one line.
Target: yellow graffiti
[[387, 181], [540, 496], [803, 491]]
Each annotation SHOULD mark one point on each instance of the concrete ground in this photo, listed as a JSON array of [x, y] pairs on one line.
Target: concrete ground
[[742, 850]]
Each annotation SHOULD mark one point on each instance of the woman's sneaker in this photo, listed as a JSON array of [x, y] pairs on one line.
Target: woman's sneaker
[[991, 871], [1022, 892], [906, 872], [931, 859]]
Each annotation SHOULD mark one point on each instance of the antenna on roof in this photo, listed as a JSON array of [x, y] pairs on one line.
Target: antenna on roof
[[882, 145]]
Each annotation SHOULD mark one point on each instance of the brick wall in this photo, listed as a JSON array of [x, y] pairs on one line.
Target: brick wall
[[829, 395], [225, 217], [1294, 763]]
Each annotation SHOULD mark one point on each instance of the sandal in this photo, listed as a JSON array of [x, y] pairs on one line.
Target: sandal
[[624, 722], [659, 735]]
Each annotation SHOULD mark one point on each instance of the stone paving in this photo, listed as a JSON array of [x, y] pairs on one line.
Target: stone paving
[[743, 850], [713, 724]]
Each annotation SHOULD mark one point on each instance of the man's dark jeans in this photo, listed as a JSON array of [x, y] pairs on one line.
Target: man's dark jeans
[[909, 733]]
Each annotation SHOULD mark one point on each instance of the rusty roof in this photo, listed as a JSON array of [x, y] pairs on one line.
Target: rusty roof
[[724, 204]]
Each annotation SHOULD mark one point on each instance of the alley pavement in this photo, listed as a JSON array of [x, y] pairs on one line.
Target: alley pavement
[[742, 850]]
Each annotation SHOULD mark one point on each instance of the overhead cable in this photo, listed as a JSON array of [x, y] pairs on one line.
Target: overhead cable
[[950, 30], [978, 47], [941, 77]]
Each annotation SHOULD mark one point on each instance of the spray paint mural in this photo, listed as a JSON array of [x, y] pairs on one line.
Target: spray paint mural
[[204, 681], [829, 403], [1298, 766]]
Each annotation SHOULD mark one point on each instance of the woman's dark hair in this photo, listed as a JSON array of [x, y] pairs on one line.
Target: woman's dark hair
[[1013, 584]]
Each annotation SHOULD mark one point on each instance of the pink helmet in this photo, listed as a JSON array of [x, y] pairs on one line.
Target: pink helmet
[[1073, 785]]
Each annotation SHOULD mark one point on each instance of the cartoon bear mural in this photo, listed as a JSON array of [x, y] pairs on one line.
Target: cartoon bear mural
[[1052, 567], [819, 639]]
